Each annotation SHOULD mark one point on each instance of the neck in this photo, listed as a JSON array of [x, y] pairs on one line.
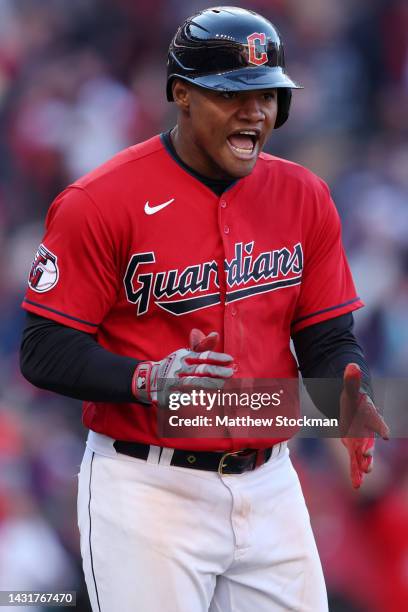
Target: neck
[[193, 156]]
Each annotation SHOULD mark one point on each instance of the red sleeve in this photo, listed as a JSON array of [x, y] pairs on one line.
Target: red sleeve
[[327, 288], [73, 279]]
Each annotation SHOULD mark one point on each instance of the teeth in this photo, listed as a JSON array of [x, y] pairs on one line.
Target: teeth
[[241, 150], [249, 132]]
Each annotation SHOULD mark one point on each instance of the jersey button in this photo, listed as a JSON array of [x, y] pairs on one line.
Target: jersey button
[[233, 311], [223, 204], [235, 368], [226, 229]]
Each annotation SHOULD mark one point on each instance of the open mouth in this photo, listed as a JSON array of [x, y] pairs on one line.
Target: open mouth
[[244, 143]]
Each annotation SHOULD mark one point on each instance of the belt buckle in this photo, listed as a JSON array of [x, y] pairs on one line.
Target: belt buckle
[[221, 464]]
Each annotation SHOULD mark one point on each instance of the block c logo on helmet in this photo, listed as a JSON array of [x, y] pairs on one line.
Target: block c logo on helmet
[[254, 57]]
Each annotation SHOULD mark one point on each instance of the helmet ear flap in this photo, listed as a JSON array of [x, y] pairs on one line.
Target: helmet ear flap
[[169, 90], [284, 99]]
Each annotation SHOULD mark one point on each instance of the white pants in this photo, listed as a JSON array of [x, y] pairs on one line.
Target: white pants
[[158, 538]]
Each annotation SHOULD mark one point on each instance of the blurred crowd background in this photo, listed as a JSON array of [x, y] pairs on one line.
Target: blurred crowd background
[[82, 79]]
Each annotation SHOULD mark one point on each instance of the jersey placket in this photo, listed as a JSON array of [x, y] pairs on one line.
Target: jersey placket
[[231, 314]]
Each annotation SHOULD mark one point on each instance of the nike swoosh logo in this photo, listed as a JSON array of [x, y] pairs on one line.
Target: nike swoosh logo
[[151, 210]]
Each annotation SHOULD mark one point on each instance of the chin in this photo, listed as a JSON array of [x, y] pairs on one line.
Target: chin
[[235, 167], [241, 170]]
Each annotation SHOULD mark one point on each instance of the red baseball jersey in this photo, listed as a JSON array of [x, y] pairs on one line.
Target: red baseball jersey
[[140, 251]]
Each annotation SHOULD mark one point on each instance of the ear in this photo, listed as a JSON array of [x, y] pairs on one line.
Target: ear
[[181, 94]]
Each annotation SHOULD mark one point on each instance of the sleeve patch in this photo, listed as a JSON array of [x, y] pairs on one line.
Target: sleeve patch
[[44, 272]]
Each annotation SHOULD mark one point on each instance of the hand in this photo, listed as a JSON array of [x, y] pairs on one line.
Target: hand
[[359, 422], [198, 366]]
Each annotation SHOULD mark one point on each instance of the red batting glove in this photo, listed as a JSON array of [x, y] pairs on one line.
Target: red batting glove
[[360, 421], [198, 366]]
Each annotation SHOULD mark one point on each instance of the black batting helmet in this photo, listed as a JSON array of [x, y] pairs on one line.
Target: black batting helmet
[[227, 48]]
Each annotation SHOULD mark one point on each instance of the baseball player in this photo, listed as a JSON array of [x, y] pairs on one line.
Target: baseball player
[[194, 257]]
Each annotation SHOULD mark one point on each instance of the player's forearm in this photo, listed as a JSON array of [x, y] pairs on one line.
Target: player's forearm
[[72, 363], [323, 351]]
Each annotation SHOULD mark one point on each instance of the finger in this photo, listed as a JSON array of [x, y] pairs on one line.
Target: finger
[[374, 422], [352, 380], [208, 357], [368, 446], [366, 464], [355, 472], [200, 342], [364, 446], [357, 480], [201, 382], [365, 457], [196, 336], [205, 369]]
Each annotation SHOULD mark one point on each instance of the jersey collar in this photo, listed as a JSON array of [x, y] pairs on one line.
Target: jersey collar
[[217, 186]]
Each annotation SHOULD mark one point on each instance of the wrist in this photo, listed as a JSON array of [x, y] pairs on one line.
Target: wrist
[[144, 381]]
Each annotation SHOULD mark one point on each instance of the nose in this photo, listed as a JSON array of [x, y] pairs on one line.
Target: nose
[[251, 108]]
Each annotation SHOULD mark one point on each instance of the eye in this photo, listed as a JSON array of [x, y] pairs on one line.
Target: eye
[[270, 95]]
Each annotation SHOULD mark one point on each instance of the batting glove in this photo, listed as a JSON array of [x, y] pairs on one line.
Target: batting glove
[[359, 422], [198, 366]]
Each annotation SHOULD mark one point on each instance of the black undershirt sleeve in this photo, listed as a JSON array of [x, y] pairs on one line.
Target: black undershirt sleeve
[[72, 363], [323, 351]]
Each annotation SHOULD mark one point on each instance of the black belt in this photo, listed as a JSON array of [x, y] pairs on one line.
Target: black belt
[[223, 462]]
